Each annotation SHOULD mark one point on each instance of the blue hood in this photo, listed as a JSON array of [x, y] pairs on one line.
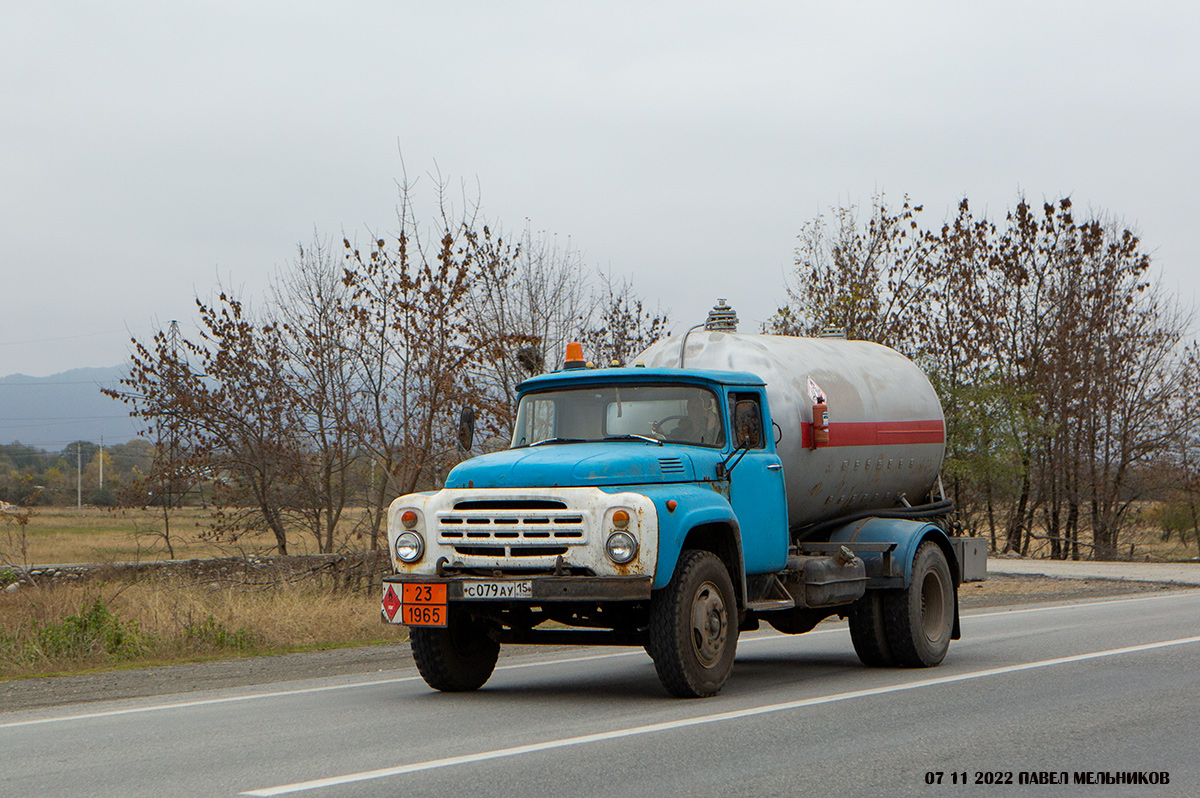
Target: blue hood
[[577, 465]]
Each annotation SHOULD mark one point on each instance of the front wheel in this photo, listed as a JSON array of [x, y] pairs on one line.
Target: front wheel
[[920, 618], [693, 627], [457, 658]]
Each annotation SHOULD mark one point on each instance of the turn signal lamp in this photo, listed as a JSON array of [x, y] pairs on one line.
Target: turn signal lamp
[[620, 519], [574, 356], [409, 519]]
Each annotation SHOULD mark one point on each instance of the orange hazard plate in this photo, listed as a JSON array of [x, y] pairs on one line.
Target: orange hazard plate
[[423, 615], [423, 605], [423, 594]]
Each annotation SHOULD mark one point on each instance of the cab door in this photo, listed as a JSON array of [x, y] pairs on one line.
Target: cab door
[[756, 491]]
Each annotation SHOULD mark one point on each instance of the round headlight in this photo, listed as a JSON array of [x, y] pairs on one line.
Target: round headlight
[[409, 547], [621, 547]]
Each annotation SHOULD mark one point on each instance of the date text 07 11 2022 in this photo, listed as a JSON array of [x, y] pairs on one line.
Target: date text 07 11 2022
[[1048, 777]]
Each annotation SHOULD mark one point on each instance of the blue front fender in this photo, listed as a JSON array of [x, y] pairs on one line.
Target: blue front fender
[[695, 505]]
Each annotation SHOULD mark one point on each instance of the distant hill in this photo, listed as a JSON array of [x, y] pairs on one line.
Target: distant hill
[[51, 412]]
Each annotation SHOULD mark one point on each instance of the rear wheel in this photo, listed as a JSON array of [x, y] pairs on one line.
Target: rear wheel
[[920, 618], [693, 627], [868, 631], [457, 658]]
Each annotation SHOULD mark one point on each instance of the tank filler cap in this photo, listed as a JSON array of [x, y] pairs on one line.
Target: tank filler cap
[[722, 318]]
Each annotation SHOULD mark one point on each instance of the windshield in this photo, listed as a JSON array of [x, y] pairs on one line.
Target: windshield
[[671, 413]]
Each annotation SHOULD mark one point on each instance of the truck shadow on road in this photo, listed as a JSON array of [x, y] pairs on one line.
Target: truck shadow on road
[[637, 679]]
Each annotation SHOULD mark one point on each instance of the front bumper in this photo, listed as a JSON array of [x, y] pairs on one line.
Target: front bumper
[[544, 588]]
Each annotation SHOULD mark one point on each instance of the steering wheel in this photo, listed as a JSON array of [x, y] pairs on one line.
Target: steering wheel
[[658, 425]]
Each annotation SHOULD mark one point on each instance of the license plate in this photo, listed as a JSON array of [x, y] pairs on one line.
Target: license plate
[[497, 590]]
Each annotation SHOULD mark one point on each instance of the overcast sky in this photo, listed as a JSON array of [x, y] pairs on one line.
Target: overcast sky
[[152, 149]]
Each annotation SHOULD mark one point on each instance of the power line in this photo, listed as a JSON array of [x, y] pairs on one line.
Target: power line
[[52, 419], [46, 384], [74, 337]]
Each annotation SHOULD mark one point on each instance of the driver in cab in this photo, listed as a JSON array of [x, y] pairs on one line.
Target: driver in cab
[[700, 425]]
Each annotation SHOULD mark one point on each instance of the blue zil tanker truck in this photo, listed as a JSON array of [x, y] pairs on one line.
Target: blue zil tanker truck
[[722, 481]]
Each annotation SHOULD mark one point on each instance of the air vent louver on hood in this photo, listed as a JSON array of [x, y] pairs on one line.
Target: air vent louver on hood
[[671, 465]]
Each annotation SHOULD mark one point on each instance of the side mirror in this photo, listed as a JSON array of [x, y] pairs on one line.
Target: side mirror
[[466, 428], [747, 425]]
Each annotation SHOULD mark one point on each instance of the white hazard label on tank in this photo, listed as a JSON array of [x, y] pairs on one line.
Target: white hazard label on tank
[[815, 392]]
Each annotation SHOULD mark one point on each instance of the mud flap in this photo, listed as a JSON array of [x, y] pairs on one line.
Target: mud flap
[[956, 633]]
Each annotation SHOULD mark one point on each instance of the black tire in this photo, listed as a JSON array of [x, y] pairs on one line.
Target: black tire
[[457, 658], [920, 618], [868, 631], [693, 627]]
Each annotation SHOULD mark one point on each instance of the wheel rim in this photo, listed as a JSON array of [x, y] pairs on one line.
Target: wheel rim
[[933, 606], [710, 624]]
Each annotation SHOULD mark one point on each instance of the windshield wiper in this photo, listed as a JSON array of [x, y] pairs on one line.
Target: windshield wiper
[[634, 437], [557, 440]]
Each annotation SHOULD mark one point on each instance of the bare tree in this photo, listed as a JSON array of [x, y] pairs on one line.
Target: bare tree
[[1058, 362], [870, 281], [229, 394], [311, 300], [536, 299], [622, 326], [14, 542], [417, 350], [177, 466]]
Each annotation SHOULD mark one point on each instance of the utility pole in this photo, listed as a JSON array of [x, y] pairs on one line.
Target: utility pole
[[79, 475], [101, 462]]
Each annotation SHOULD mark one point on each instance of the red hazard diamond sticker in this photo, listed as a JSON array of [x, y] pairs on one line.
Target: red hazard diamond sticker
[[391, 603]]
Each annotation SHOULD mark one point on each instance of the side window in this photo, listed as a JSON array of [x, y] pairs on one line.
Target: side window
[[734, 398]]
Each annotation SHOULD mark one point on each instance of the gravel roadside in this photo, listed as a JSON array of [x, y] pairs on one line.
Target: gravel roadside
[[999, 590]]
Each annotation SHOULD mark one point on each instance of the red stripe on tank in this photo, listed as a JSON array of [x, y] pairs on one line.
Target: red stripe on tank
[[879, 433]]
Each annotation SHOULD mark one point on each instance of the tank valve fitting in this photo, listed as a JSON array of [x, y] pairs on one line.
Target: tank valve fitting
[[722, 318]]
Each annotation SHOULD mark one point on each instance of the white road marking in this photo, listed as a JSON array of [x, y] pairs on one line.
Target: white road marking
[[1085, 605], [719, 717], [769, 636]]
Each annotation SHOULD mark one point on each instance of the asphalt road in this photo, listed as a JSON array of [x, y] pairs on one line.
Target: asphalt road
[[1106, 687]]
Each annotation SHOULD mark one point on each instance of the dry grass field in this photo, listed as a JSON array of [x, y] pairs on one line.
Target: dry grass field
[[72, 628], [1143, 543], [67, 627], [63, 535]]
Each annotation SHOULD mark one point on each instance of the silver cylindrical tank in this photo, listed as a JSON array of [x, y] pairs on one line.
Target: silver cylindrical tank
[[886, 428]]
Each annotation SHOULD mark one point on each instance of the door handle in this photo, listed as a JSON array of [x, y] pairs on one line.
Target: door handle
[[774, 467]]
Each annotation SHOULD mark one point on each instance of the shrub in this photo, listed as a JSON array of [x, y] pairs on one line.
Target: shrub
[[94, 632], [211, 633]]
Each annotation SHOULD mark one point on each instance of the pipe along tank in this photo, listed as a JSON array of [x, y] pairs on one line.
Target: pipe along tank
[[886, 431]]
